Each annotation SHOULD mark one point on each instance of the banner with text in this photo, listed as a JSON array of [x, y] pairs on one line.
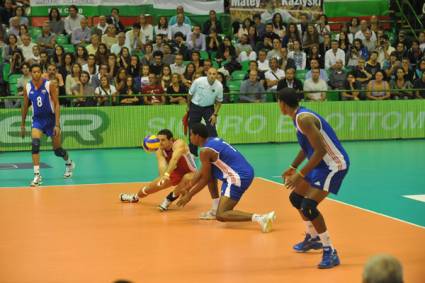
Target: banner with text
[[290, 10], [108, 127]]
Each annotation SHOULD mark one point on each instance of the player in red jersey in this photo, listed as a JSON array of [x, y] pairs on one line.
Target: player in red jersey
[[176, 168]]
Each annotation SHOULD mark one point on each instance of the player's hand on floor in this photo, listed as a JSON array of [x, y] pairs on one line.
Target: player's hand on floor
[[292, 181]]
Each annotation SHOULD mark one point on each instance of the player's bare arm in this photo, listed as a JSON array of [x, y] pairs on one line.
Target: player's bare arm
[[292, 169], [24, 112], [206, 156], [162, 163], [54, 94], [309, 125]]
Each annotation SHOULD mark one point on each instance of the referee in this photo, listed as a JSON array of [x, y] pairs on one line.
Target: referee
[[205, 97]]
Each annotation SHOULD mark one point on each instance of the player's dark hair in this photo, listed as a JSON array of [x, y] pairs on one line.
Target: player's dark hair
[[289, 96], [35, 66], [200, 130], [166, 132]]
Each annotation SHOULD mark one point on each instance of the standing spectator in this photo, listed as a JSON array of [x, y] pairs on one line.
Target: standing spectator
[[116, 47], [162, 27], [179, 26], [81, 35], [110, 38], [133, 38], [205, 96], [178, 67], [47, 39], [155, 91], [351, 88], [174, 19], [101, 28], [176, 87], [378, 89], [290, 81], [399, 86], [128, 93], [333, 54], [383, 269], [57, 25], [298, 56], [94, 44], [114, 19], [73, 21], [83, 90], [273, 75], [315, 88], [420, 85], [146, 29], [106, 94], [196, 40], [252, 90], [212, 22], [337, 76]]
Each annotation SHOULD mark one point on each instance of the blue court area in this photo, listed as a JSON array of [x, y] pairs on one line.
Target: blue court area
[[382, 173]]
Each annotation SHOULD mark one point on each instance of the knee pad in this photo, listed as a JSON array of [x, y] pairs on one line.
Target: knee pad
[[60, 152], [35, 146], [309, 209], [296, 200]]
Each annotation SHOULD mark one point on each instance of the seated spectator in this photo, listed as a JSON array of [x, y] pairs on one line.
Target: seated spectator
[[222, 79], [157, 65], [81, 35], [101, 28], [196, 40], [144, 76], [361, 73], [409, 74], [159, 43], [114, 19], [116, 47], [244, 50], [351, 88], [124, 58], [314, 64], [422, 41], [401, 50], [311, 37], [128, 93], [353, 58], [20, 14], [47, 39], [263, 62], [179, 10], [120, 80], [197, 61], [213, 41], [337, 76], [362, 51], [35, 59], [178, 66], [162, 27], [146, 29], [73, 78], [326, 44], [253, 66], [333, 54], [134, 69], [212, 23], [90, 67], [26, 47], [384, 50], [372, 66], [414, 54], [179, 26], [368, 42], [361, 34], [265, 44], [110, 37], [278, 25], [83, 90], [298, 56], [105, 93], [378, 89], [391, 65], [188, 75], [273, 75], [22, 82], [259, 26], [113, 66], [94, 44], [315, 88], [420, 69], [73, 21], [314, 53], [10, 48], [275, 52], [103, 71], [133, 38], [383, 269], [148, 55], [322, 26], [154, 87], [252, 37], [102, 54], [165, 79], [81, 55], [176, 87], [291, 82], [243, 29], [66, 68], [252, 90], [399, 86], [420, 85]]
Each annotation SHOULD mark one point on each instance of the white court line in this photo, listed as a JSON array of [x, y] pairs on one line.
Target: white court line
[[351, 205], [416, 197], [73, 185]]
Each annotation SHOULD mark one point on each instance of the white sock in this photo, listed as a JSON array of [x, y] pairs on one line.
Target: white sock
[[215, 202], [326, 240], [68, 162], [256, 217], [36, 169], [310, 229]]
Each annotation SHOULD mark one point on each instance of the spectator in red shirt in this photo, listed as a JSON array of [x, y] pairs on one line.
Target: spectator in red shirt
[[154, 87]]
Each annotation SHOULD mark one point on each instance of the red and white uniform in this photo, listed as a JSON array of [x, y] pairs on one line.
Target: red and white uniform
[[185, 164]]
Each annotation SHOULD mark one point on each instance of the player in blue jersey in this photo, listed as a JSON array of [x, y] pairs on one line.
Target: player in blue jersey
[[43, 95], [323, 173], [219, 160]]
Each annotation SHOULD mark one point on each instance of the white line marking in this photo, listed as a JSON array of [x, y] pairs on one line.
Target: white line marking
[[351, 205], [416, 197], [74, 185]]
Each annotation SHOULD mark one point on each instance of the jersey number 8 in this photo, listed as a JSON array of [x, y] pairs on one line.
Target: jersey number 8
[[39, 101]]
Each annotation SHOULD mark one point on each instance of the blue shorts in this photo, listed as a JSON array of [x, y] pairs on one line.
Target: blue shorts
[[46, 125], [233, 191], [326, 180]]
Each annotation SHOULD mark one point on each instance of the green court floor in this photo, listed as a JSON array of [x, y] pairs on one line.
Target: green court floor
[[382, 173]]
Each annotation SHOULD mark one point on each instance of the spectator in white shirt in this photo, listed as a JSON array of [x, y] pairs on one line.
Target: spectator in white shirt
[[384, 50], [361, 33], [162, 27], [146, 29], [73, 20], [101, 27], [178, 67], [116, 48], [263, 62], [196, 40], [180, 26], [317, 85], [82, 34], [333, 54], [274, 75], [244, 50], [133, 38], [26, 47]]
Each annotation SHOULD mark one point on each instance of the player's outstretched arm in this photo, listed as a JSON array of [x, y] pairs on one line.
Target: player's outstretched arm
[[205, 176], [24, 112], [162, 163]]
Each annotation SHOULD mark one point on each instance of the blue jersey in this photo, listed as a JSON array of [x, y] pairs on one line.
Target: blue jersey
[[336, 158], [230, 165], [41, 100]]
